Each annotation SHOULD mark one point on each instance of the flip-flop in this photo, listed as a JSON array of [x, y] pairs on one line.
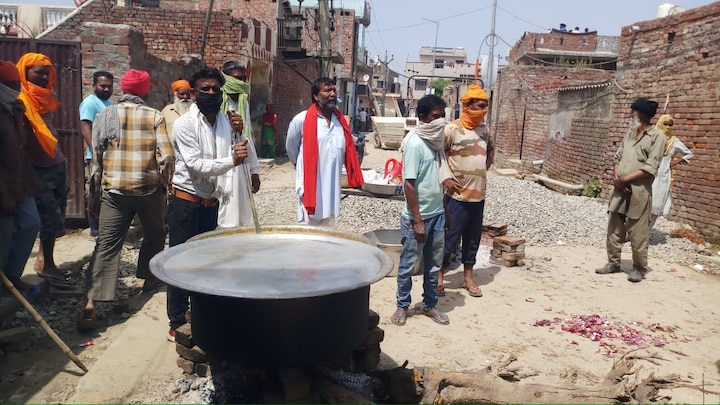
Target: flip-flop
[[441, 290], [436, 316], [399, 317], [473, 291]]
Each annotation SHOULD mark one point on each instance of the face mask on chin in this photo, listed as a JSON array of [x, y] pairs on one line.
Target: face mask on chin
[[209, 103]]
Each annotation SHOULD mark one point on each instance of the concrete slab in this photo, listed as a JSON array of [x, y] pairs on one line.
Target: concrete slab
[[506, 172], [139, 355]]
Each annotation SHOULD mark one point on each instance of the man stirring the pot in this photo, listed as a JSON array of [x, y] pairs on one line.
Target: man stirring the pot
[[206, 155]]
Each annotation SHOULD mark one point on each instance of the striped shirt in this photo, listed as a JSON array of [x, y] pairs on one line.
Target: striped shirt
[[131, 161]]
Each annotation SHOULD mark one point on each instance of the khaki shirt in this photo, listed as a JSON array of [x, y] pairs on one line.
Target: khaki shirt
[[631, 156]]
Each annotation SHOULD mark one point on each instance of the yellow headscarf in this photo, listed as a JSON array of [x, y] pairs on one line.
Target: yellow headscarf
[[670, 138], [472, 118], [38, 100]]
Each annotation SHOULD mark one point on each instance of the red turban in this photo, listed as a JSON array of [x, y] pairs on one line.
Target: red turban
[[180, 85], [8, 72], [135, 82]]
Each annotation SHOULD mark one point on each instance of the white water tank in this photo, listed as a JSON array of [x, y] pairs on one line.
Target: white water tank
[[667, 9]]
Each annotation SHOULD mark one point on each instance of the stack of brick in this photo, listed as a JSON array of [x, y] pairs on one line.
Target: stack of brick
[[508, 251], [495, 229], [367, 356], [193, 359]]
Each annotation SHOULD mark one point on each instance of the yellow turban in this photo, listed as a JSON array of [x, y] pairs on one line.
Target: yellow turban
[[180, 85], [474, 92]]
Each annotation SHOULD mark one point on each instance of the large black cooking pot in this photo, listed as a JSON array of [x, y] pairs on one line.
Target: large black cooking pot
[[290, 295]]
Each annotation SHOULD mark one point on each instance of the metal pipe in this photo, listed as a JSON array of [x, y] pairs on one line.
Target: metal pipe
[[573, 187]]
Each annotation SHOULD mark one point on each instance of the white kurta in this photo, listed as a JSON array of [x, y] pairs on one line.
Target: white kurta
[[661, 200], [236, 211], [331, 157]]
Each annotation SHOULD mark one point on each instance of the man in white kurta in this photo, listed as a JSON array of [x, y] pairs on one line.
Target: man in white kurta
[[236, 210], [331, 156], [331, 148]]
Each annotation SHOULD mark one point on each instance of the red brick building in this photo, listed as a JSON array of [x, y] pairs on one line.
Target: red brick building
[[572, 116]]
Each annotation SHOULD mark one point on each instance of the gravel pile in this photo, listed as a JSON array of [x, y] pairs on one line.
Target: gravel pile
[[62, 313], [542, 216]]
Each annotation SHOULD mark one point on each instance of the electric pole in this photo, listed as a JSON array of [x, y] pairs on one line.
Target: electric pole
[[325, 48], [491, 55], [387, 79]]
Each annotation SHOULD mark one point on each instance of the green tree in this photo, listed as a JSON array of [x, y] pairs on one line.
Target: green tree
[[439, 85]]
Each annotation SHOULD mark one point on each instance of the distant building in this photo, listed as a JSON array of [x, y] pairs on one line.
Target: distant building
[[437, 63], [566, 48], [29, 20]]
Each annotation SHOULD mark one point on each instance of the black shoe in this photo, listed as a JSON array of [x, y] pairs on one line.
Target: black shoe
[[608, 269], [635, 276]]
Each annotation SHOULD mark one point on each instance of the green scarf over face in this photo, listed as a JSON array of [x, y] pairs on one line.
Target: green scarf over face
[[241, 88]]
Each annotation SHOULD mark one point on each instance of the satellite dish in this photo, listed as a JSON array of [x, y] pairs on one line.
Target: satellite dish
[[366, 77]]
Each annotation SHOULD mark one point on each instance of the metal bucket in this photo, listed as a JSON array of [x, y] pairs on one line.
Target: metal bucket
[[389, 241], [290, 295]]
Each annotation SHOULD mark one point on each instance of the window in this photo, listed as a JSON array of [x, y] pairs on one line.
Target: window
[[542, 41], [421, 84], [380, 84], [584, 42], [562, 40]]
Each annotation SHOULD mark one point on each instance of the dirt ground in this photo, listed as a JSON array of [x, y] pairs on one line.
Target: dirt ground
[[675, 305]]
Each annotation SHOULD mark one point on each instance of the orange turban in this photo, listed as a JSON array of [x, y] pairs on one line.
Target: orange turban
[[38, 100], [180, 85], [135, 82], [474, 92], [8, 72]]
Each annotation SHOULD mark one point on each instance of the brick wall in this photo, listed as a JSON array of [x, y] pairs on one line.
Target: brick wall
[[262, 10], [119, 47], [531, 121], [167, 33], [555, 40], [676, 59], [291, 91], [342, 39]]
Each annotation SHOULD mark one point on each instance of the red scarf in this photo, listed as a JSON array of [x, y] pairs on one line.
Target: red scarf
[[310, 157]]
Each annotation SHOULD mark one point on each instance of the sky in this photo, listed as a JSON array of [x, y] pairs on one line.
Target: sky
[[397, 26]]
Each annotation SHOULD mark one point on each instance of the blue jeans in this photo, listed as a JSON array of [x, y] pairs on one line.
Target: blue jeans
[[432, 251], [22, 229]]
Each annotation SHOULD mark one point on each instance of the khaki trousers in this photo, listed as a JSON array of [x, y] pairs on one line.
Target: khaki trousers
[[116, 213], [638, 233]]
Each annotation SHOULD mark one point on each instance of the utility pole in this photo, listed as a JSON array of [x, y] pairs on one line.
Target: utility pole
[[387, 79], [325, 48], [206, 26], [491, 52], [437, 27]]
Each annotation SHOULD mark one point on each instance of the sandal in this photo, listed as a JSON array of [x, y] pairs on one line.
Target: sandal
[[150, 286], [473, 291], [399, 317], [55, 280], [441, 290], [88, 320], [436, 316]]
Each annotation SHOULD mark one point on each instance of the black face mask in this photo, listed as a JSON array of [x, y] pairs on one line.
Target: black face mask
[[208, 103]]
